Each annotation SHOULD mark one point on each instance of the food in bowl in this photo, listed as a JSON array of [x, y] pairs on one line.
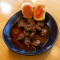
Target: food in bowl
[[30, 33]]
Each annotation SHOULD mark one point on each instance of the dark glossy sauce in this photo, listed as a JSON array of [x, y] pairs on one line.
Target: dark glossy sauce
[[16, 31]]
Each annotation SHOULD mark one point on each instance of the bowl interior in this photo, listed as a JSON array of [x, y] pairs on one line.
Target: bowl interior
[[53, 33]]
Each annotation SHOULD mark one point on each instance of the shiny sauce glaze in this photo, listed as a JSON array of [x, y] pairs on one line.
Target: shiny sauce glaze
[[16, 31]]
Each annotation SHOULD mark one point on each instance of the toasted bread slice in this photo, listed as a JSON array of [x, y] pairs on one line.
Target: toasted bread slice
[[27, 10], [39, 12]]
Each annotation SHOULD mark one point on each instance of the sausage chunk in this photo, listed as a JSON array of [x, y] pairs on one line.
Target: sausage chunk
[[30, 21], [26, 33], [21, 23], [27, 41], [41, 24], [36, 43], [32, 35], [43, 32], [38, 27], [34, 29], [21, 36], [28, 27]]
